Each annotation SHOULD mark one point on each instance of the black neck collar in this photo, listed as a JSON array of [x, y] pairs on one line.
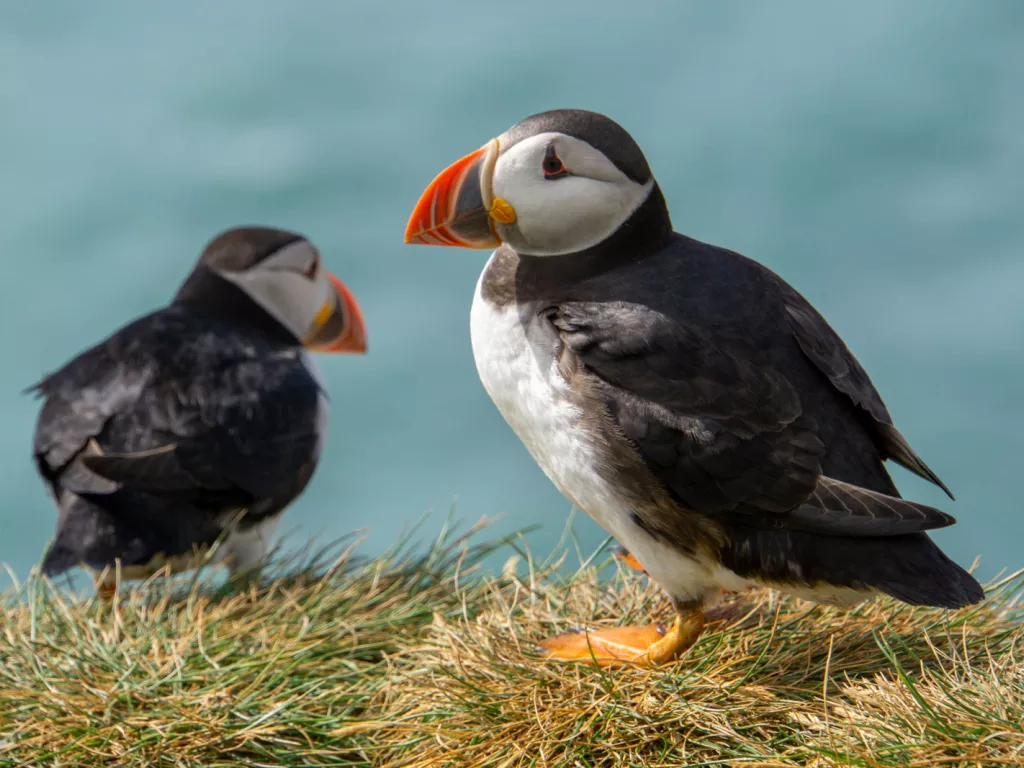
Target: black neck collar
[[209, 294], [643, 234]]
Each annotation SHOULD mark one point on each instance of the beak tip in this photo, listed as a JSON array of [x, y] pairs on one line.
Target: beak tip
[[417, 231], [442, 217], [357, 341], [354, 339]]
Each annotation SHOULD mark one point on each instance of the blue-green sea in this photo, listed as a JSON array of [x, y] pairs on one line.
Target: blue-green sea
[[870, 152]]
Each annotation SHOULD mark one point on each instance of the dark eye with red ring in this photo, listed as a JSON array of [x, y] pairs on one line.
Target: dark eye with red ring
[[552, 165]]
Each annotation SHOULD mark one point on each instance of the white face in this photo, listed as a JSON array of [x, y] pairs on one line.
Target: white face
[[290, 285], [562, 212]]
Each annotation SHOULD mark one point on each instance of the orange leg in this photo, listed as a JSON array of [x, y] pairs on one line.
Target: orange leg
[[639, 644], [627, 558], [105, 590]]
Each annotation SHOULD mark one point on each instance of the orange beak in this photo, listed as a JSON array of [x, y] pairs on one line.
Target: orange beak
[[455, 209], [339, 325]]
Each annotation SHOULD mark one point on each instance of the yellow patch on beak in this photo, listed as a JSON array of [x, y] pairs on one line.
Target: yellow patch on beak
[[322, 316], [502, 211]]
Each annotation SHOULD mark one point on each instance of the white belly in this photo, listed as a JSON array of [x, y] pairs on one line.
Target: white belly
[[518, 367], [521, 376], [244, 549]]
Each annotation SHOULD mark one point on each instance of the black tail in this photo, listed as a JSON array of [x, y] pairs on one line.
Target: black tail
[[60, 557], [910, 567], [127, 527], [921, 574], [88, 535]]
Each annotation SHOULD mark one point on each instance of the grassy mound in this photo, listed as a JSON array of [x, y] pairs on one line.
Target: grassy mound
[[419, 661]]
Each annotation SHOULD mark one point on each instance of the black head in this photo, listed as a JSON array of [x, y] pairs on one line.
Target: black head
[[557, 183], [242, 248], [272, 281], [601, 132]]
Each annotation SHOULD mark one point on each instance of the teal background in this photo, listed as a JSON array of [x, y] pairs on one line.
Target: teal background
[[872, 153]]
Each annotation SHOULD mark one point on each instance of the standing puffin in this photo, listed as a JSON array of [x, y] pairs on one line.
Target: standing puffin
[[684, 396], [202, 420]]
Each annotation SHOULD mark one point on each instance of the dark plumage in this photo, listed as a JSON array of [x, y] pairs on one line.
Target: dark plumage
[[762, 421], [236, 413], [199, 420], [686, 397]]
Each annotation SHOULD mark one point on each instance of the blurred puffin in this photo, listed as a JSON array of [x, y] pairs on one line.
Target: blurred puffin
[[685, 397], [202, 420]]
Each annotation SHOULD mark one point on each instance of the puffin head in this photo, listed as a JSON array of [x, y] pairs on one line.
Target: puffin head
[[270, 277], [555, 183]]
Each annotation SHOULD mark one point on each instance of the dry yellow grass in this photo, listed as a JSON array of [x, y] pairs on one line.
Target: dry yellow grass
[[420, 661]]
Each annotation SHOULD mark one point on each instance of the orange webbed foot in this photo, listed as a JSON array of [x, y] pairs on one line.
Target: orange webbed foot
[[646, 645]]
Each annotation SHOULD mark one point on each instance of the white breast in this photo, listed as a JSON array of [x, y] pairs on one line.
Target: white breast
[[517, 364], [524, 382]]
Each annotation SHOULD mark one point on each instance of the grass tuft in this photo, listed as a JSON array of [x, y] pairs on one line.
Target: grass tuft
[[420, 659]]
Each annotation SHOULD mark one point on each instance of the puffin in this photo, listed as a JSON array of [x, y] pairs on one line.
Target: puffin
[[181, 438], [686, 397]]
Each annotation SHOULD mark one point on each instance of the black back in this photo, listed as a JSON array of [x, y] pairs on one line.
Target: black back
[[236, 412]]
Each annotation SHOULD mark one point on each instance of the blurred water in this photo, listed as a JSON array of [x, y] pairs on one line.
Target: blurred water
[[872, 153]]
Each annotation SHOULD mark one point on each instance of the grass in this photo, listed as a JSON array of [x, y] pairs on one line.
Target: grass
[[422, 660]]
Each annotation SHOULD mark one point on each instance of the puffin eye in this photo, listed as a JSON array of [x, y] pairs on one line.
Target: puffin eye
[[552, 165], [313, 268]]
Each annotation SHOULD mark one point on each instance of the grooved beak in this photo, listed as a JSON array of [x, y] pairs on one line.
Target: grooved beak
[[339, 325], [455, 209]]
